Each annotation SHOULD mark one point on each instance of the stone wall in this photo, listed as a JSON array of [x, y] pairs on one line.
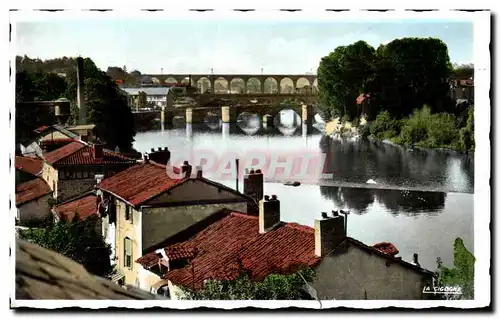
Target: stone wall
[[66, 189], [359, 275], [35, 211]]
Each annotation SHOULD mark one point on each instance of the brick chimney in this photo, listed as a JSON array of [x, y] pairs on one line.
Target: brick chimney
[[185, 168], [80, 92], [269, 213], [253, 184], [199, 171], [161, 156], [329, 232], [98, 151]]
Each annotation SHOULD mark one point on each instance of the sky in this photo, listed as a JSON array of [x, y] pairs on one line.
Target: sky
[[230, 46]]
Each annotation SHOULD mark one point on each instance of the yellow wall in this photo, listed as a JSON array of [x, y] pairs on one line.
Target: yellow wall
[[50, 175], [54, 135]]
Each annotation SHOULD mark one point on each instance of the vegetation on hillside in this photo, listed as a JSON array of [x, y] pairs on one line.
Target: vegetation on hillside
[[78, 240], [408, 83], [36, 80], [274, 287]]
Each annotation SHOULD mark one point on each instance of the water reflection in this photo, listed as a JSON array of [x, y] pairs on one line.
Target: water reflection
[[397, 202]]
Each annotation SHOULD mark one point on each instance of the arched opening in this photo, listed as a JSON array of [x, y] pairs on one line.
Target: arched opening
[[185, 81], [315, 86], [303, 86], [270, 86], [170, 80], [221, 85], [253, 85], [237, 86], [203, 85], [287, 86]]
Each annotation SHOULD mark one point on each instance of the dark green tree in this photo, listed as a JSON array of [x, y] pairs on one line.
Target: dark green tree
[[107, 105], [463, 70], [273, 287], [462, 273], [78, 240], [420, 69], [342, 76]]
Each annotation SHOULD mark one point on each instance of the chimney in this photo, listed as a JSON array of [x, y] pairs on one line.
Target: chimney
[[186, 168], [329, 232], [98, 151], [415, 260], [80, 92], [160, 156], [99, 178], [253, 184], [269, 213], [199, 171]]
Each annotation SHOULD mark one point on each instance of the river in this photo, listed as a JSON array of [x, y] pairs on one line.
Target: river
[[420, 201]]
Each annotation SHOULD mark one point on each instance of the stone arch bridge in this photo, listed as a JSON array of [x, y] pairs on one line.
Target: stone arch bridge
[[207, 82]]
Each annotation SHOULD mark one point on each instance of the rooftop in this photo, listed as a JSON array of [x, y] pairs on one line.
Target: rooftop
[[44, 274], [85, 205], [232, 244], [79, 153], [147, 90], [31, 190], [30, 165], [140, 182]]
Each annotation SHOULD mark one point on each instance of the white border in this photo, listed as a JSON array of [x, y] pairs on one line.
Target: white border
[[481, 22]]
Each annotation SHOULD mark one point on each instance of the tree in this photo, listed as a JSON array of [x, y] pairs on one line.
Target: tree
[[462, 274], [107, 106], [342, 76], [463, 70], [143, 100], [274, 287], [420, 68], [78, 240]]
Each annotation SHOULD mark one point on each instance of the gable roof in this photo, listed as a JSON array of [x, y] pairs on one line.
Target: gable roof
[[232, 244], [56, 127], [45, 274], [79, 153], [31, 190], [144, 181], [32, 165], [85, 205]]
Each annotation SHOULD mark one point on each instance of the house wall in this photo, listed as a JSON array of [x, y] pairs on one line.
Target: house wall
[[147, 279], [53, 135], [34, 211], [50, 175], [130, 229], [349, 275], [163, 222]]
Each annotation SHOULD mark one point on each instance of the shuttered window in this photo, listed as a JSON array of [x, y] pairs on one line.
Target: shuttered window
[[128, 253]]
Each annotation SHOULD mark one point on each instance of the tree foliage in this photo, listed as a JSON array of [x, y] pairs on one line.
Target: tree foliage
[[342, 76], [400, 76], [107, 105], [463, 70], [78, 240], [274, 287], [462, 273]]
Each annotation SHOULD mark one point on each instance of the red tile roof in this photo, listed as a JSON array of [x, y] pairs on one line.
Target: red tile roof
[[362, 97], [31, 190], [85, 206], [30, 165], [140, 182], [233, 243], [386, 248], [57, 141], [77, 153]]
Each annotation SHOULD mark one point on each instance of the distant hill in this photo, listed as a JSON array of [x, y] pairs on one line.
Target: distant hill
[[62, 65]]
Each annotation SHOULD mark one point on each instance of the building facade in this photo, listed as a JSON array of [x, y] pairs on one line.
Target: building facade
[[144, 206]]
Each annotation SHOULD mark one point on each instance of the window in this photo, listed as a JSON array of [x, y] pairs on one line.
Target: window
[[127, 260], [128, 213]]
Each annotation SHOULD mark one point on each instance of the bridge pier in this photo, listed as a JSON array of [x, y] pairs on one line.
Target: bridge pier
[[267, 120], [166, 117], [189, 115], [307, 116], [229, 114]]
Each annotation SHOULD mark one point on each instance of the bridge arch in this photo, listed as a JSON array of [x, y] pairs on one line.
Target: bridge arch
[[185, 80], [221, 85], [315, 86], [203, 84], [287, 86], [303, 85], [170, 80], [237, 86], [254, 85], [271, 86]]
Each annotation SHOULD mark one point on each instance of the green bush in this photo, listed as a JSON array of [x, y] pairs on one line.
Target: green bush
[[384, 126]]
